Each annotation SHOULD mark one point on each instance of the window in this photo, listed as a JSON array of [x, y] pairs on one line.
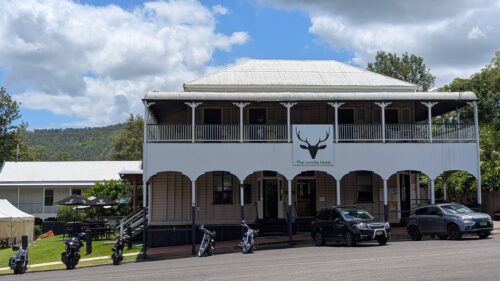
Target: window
[[247, 192], [306, 189], [323, 215], [364, 187], [391, 116], [223, 188], [49, 197], [433, 211], [421, 211], [346, 115], [76, 192]]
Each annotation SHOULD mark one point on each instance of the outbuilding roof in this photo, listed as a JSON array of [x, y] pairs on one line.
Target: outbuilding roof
[[296, 75], [63, 172]]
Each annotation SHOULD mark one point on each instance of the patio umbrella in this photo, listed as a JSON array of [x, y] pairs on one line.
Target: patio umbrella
[[73, 200], [101, 202]]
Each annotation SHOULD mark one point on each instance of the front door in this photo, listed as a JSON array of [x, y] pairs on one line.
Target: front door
[[306, 197], [270, 204], [404, 185]]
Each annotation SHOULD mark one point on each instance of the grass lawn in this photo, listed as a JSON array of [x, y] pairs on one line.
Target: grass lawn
[[50, 249]]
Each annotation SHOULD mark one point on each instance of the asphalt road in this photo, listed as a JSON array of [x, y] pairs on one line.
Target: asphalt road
[[468, 259]]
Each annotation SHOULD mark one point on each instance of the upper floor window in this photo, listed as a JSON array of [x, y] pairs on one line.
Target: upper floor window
[[49, 197], [346, 115], [223, 188], [364, 187]]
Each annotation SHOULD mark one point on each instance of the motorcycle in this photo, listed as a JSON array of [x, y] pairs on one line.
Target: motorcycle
[[19, 262], [207, 245], [248, 241], [117, 250], [71, 254]]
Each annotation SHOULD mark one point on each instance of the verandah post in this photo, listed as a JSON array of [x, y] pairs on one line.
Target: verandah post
[[386, 207], [193, 216], [290, 217], [288, 106], [338, 191], [336, 105]]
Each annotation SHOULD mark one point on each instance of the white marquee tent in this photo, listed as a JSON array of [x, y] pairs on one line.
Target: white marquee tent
[[15, 223]]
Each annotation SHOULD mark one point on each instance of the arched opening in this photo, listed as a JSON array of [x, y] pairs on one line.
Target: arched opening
[[457, 186], [406, 190], [170, 199], [268, 190], [311, 191], [364, 189], [218, 198]]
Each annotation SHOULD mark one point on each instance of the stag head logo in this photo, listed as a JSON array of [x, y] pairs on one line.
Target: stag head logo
[[313, 149]]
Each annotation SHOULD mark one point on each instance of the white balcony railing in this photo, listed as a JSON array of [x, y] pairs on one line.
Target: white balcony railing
[[168, 132], [453, 132], [279, 133], [360, 132], [406, 132], [272, 133], [35, 208], [217, 133]]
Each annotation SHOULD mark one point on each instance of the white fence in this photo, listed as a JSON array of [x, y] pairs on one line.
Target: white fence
[[279, 133]]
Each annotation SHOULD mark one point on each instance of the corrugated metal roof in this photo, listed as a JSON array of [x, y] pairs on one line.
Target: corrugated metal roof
[[63, 172], [288, 75], [311, 96]]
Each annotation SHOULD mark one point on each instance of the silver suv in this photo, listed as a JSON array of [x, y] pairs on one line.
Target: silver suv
[[450, 220]]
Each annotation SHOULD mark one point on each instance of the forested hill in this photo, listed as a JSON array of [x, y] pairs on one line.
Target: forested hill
[[73, 144]]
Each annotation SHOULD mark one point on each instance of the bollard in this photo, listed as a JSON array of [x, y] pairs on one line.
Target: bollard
[[129, 237], [24, 242], [88, 241]]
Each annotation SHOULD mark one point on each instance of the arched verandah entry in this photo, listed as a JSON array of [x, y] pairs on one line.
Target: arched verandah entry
[[311, 191], [458, 186], [364, 189], [271, 191], [406, 190]]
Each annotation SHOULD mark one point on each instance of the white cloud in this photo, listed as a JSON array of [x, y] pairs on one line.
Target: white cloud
[[219, 9], [455, 37], [96, 63]]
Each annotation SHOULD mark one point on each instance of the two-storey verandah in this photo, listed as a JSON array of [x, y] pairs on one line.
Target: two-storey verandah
[[235, 152]]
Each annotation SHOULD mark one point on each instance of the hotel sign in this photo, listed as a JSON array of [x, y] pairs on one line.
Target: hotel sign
[[312, 145]]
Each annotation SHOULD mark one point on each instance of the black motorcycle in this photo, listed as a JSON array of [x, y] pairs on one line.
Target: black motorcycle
[[117, 250], [207, 246], [248, 241], [71, 254], [19, 262]]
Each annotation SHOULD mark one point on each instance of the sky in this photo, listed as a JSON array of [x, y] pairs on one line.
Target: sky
[[88, 63]]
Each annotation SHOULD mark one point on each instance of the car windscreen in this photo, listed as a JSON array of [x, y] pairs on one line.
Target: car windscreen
[[350, 214], [456, 209]]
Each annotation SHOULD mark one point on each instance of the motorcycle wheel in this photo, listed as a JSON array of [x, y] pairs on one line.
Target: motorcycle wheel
[[202, 249], [211, 250]]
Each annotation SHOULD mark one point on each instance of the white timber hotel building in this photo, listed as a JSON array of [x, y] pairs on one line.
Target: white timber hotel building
[[273, 141]]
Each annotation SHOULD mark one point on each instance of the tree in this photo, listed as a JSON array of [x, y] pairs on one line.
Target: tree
[[486, 85], [127, 142], [113, 189], [10, 134], [409, 68]]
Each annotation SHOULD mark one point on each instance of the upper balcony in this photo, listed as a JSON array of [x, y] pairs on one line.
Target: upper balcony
[[417, 132]]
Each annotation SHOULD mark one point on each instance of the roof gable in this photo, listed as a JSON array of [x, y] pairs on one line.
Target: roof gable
[[296, 75]]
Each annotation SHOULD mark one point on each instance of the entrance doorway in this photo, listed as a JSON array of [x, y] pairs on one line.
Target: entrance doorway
[[306, 197], [404, 185], [270, 198]]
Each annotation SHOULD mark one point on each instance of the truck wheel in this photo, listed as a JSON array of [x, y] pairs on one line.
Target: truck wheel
[[454, 232], [414, 233], [349, 238], [318, 239], [382, 241]]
